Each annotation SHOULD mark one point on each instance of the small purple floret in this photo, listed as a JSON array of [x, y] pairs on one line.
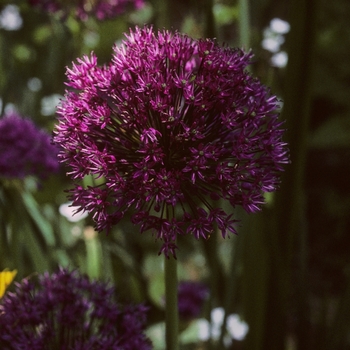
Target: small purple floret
[[171, 122]]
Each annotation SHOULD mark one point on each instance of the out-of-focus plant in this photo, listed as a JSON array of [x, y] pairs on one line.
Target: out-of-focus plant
[[24, 149], [191, 296], [25, 152], [67, 310], [83, 10]]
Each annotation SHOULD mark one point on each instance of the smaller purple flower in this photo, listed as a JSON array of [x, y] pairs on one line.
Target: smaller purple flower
[[83, 9], [191, 297], [67, 311], [25, 149]]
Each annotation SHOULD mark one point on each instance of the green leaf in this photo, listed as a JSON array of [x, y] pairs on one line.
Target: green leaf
[[39, 259], [40, 221]]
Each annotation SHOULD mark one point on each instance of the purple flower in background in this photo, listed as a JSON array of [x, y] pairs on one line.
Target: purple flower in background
[[191, 297], [170, 123], [67, 311], [82, 9], [25, 149]]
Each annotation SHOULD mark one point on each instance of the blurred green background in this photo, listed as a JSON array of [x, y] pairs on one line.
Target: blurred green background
[[287, 272]]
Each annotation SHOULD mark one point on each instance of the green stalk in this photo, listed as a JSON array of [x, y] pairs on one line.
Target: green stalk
[[286, 235], [171, 307], [209, 29], [244, 24], [217, 276]]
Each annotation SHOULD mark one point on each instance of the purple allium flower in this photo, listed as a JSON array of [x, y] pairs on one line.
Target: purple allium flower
[[82, 9], [191, 297], [67, 311], [25, 149], [171, 122]]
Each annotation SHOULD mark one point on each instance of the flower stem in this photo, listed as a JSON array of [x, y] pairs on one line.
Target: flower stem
[[244, 24], [171, 309]]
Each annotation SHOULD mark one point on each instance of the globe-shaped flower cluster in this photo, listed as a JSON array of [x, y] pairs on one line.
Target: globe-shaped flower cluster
[[67, 311], [25, 149], [83, 9], [168, 127]]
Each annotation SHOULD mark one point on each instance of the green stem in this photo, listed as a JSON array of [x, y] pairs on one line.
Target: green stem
[[171, 308], [244, 24], [217, 277], [289, 200], [209, 29]]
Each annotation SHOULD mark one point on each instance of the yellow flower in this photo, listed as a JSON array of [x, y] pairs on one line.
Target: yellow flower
[[6, 277]]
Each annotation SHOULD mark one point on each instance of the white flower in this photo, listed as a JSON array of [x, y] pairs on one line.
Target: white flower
[[236, 328], [10, 18], [68, 211], [279, 59], [272, 40], [279, 26]]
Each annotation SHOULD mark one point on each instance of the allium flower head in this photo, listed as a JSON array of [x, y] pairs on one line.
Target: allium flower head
[[25, 149], [171, 122], [191, 297], [82, 9], [67, 311]]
